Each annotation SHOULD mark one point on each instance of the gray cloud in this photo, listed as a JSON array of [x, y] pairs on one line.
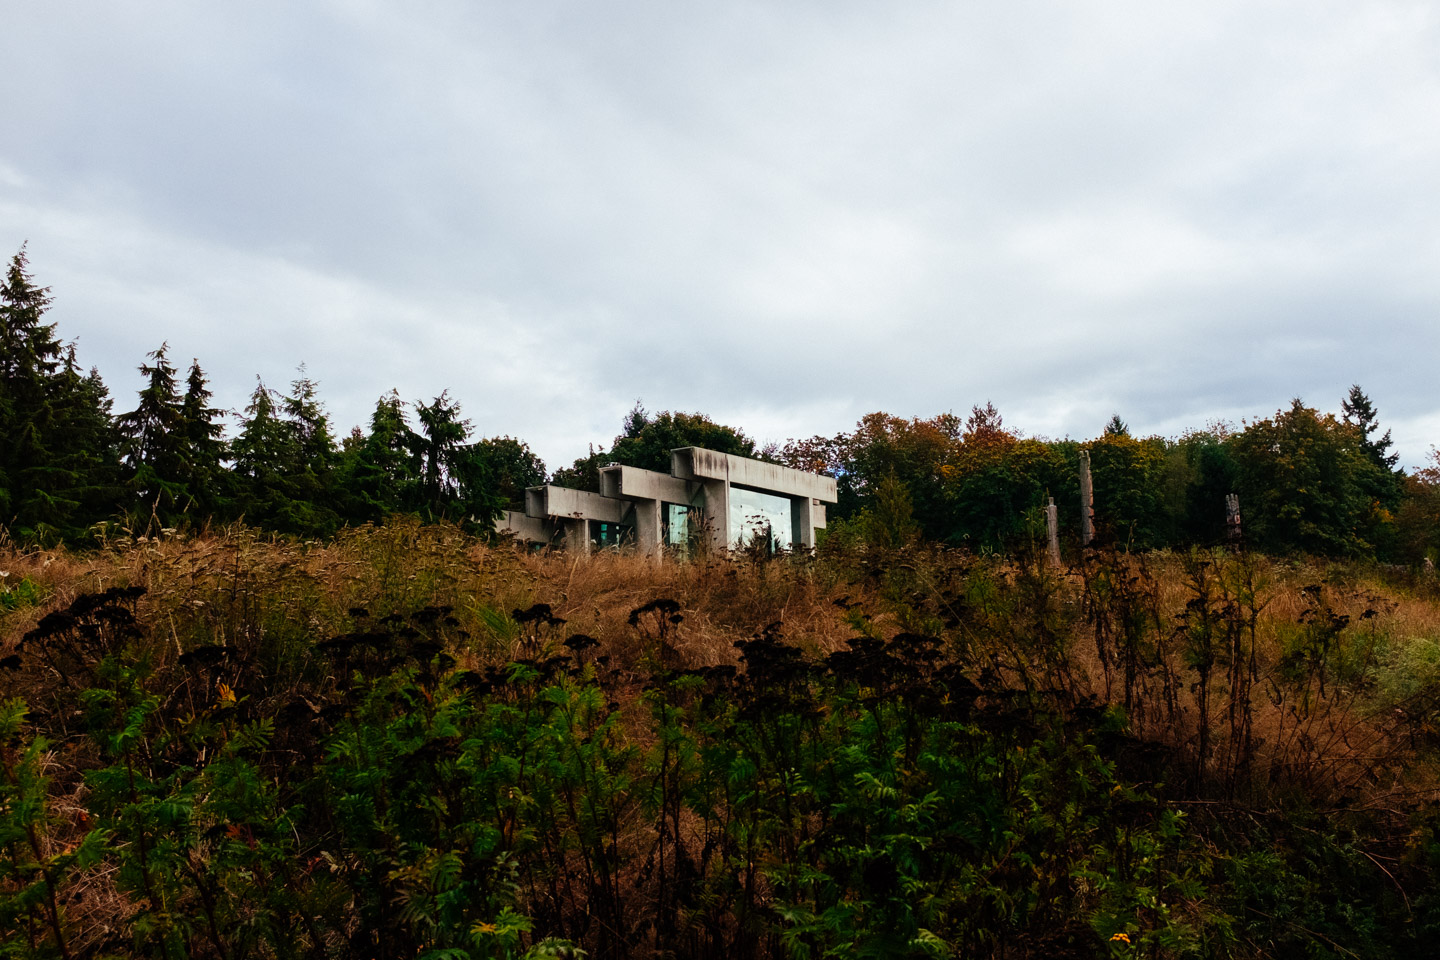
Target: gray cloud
[[785, 215]]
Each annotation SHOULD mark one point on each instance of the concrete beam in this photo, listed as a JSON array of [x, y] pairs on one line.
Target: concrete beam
[[632, 483], [553, 501], [522, 527], [697, 463]]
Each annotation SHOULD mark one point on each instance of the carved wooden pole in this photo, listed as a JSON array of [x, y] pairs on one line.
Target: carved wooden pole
[[1232, 517], [1052, 531], [1087, 501]]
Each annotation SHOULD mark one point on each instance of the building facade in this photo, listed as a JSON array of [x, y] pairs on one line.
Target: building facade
[[717, 498]]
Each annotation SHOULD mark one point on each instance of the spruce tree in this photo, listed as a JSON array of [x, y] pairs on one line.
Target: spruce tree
[[310, 425], [89, 443], [285, 460], [260, 453], [205, 448], [49, 478], [381, 473], [154, 447], [310, 474], [1357, 409], [442, 433]]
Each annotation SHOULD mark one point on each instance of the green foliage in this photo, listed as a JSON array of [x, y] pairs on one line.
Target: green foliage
[[284, 461], [510, 466], [646, 440], [171, 446], [997, 481], [22, 592], [266, 773], [57, 447], [33, 866], [1417, 522], [913, 451], [69, 470], [1200, 472], [380, 472], [1307, 483], [1127, 477]]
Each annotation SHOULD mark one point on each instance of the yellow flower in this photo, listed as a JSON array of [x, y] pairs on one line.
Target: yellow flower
[[484, 928], [1120, 936], [226, 694]]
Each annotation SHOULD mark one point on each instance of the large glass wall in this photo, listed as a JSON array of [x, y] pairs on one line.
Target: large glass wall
[[753, 514]]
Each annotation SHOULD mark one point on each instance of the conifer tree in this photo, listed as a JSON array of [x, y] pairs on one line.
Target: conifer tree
[[310, 476], [310, 426], [381, 474], [442, 433], [259, 453], [285, 459], [154, 445], [48, 413], [205, 447], [89, 444], [1357, 409]]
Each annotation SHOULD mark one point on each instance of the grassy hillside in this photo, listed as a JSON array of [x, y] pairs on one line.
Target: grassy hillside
[[406, 742]]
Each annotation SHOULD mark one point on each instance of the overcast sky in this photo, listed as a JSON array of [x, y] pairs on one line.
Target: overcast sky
[[784, 215]]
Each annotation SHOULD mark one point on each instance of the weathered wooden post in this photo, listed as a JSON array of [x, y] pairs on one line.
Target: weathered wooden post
[[1052, 531], [1087, 501], [1232, 518]]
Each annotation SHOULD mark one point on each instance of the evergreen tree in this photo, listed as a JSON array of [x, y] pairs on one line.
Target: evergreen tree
[[310, 425], [48, 412], [306, 464], [261, 453], [285, 462], [154, 446], [442, 433], [1357, 409], [381, 473], [205, 449], [88, 446], [477, 503]]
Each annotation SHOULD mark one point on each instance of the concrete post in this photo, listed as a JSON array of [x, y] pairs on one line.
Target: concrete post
[[647, 527], [1087, 501], [717, 513], [802, 523], [1052, 531], [577, 535]]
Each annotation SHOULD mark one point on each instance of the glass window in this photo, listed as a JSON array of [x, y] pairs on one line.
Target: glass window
[[753, 514], [677, 524], [606, 534]]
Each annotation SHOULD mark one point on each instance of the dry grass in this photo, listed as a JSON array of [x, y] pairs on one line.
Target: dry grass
[[240, 587], [1364, 738]]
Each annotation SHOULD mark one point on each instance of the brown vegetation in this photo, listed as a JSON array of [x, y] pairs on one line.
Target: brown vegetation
[[1258, 683]]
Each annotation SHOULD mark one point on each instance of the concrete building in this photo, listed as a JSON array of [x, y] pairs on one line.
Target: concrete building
[[725, 499]]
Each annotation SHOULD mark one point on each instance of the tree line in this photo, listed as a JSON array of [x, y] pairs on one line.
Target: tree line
[[68, 462], [1308, 481]]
